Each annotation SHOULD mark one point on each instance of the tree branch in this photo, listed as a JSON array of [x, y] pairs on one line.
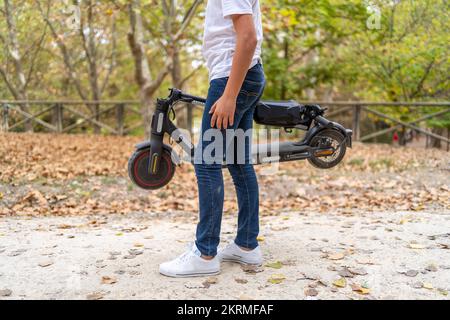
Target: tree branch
[[187, 19], [9, 84], [112, 63]]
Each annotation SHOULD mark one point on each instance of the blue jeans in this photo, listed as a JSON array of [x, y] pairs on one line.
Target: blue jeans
[[209, 175]]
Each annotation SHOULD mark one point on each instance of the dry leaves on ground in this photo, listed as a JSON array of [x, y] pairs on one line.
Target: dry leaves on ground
[[44, 174]]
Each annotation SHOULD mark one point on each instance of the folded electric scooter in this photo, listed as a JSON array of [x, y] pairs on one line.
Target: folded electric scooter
[[153, 164]]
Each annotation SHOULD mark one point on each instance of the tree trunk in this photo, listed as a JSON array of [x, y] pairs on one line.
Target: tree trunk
[[143, 76], [182, 115], [14, 52], [147, 109]]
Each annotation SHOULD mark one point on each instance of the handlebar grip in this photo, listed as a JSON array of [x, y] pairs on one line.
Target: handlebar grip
[[324, 122], [193, 98]]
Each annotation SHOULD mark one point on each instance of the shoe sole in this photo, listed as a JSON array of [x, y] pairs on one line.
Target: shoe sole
[[190, 275], [242, 262]]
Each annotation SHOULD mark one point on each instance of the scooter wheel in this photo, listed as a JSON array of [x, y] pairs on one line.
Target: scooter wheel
[[138, 166], [328, 138]]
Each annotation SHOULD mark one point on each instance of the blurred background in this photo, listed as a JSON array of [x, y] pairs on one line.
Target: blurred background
[[97, 66]]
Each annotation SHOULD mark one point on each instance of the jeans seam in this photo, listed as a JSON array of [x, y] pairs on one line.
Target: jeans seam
[[210, 232], [248, 204]]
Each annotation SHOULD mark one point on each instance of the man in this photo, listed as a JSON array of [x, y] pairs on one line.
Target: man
[[232, 49]]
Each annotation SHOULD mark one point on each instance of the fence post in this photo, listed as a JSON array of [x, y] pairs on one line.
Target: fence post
[[58, 117], [448, 137], [5, 114], [120, 112], [357, 123]]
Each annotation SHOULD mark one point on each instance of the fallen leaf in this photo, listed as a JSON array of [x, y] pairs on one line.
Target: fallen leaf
[[135, 252], [444, 245], [241, 281], [443, 291], [95, 296], [261, 238], [412, 273], [138, 245], [277, 278], [208, 282], [251, 269], [65, 226], [416, 246], [359, 289], [358, 271], [341, 283], [275, 265], [46, 263], [311, 292], [5, 293], [336, 256], [427, 285], [345, 273], [432, 268], [108, 280]]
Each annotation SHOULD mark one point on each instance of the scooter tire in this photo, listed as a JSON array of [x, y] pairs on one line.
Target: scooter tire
[[138, 166], [333, 134]]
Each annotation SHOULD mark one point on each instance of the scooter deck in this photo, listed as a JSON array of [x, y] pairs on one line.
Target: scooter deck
[[280, 152]]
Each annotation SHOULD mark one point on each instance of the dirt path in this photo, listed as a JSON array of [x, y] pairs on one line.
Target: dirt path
[[393, 255]]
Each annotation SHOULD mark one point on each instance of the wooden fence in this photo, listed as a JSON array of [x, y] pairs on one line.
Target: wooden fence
[[127, 116]]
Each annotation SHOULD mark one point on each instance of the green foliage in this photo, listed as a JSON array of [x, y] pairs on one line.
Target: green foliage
[[319, 49]]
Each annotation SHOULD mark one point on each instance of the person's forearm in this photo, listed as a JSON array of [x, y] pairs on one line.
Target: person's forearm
[[243, 56]]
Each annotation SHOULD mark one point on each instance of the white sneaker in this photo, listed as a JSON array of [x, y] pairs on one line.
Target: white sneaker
[[233, 253], [190, 264]]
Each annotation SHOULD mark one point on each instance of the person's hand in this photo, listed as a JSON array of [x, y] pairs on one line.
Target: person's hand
[[223, 112]]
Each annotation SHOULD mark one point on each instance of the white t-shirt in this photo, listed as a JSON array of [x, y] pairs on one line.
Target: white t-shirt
[[219, 41]]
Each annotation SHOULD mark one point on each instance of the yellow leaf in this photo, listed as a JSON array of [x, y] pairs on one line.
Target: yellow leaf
[[275, 265], [341, 283], [359, 289], [443, 292], [138, 245], [261, 238], [277, 278], [427, 285], [119, 234], [416, 246], [1, 196]]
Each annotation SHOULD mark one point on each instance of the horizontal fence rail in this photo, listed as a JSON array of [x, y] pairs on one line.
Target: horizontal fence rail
[[122, 117]]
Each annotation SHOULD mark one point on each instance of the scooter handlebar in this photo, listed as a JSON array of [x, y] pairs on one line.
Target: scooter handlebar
[[177, 95], [324, 122], [192, 98]]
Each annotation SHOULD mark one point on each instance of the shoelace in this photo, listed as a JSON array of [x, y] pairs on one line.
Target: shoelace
[[187, 255]]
